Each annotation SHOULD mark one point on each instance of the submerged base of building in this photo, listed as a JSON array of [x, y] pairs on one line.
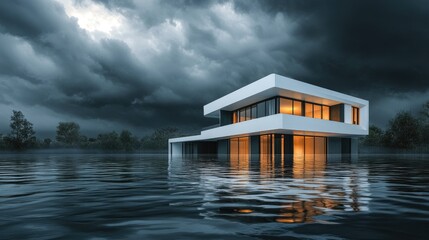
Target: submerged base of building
[[281, 146]]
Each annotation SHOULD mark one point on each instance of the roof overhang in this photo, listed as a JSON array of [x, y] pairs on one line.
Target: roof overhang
[[276, 85]]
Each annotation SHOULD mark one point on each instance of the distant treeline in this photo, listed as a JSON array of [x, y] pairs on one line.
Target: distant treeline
[[68, 135], [405, 131]]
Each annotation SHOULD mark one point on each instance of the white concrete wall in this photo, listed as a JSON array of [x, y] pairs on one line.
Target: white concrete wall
[[276, 85], [279, 123], [348, 113], [175, 148], [364, 118]]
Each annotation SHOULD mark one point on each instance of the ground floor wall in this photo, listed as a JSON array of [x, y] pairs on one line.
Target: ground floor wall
[[282, 146]]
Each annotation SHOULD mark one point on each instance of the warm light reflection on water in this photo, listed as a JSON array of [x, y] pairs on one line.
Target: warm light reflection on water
[[294, 191], [149, 197]]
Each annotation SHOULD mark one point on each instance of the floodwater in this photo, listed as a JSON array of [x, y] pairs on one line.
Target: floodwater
[[83, 196]]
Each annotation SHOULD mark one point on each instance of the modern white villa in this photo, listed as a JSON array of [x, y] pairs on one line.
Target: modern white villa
[[280, 116]]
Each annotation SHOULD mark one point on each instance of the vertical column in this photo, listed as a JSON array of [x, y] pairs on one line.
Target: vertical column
[[254, 149], [277, 149], [354, 148], [288, 149], [364, 117], [347, 113]]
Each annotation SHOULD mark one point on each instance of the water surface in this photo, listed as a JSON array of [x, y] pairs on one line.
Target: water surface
[[145, 197]]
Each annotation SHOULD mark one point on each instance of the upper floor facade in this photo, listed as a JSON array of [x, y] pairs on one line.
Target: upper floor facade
[[278, 104]]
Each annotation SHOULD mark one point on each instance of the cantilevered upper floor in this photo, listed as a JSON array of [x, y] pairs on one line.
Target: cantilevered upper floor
[[277, 104]]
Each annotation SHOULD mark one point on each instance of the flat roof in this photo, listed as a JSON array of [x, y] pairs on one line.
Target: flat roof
[[277, 85]]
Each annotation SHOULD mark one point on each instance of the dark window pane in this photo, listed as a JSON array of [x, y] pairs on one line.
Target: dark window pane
[[261, 109], [271, 107], [253, 114], [242, 115], [247, 113]]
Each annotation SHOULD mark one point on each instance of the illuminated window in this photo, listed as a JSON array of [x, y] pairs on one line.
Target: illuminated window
[[233, 150], [239, 153], [320, 149], [266, 144], [317, 111], [309, 145], [243, 146], [297, 108], [308, 110], [285, 106], [355, 115], [325, 112], [298, 146]]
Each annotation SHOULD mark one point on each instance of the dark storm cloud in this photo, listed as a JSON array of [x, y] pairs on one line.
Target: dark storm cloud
[[360, 44], [183, 54]]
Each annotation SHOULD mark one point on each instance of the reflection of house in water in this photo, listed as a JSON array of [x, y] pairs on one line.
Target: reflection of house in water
[[279, 116], [290, 192]]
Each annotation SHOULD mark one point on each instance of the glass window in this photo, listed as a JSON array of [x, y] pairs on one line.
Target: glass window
[[335, 113], [242, 115], [271, 107], [261, 109], [265, 144], [243, 145], [253, 112], [355, 115], [309, 145], [320, 149], [248, 113], [325, 113], [297, 108], [317, 111], [309, 148], [308, 110], [233, 148], [298, 147], [285, 106]]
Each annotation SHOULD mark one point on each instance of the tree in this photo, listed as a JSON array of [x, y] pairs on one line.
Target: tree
[[128, 141], [403, 131], [22, 133], [425, 123], [374, 137], [47, 142], [109, 141], [68, 133], [159, 138], [425, 111], [2, 144]]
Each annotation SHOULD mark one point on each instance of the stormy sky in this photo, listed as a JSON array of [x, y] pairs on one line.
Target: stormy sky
[[141, 65]]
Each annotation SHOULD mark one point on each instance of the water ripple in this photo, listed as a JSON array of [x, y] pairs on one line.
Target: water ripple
[[143, 196]]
